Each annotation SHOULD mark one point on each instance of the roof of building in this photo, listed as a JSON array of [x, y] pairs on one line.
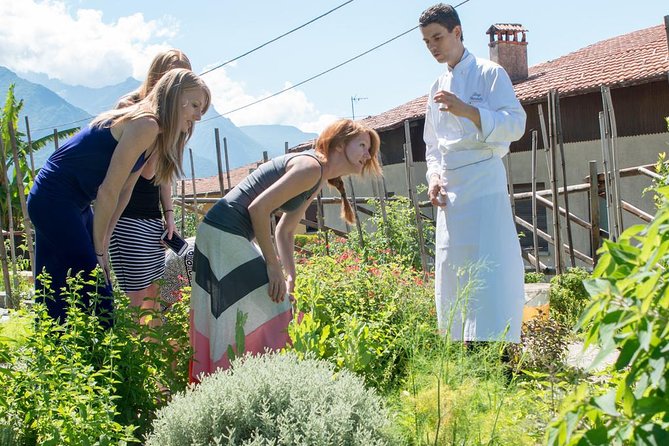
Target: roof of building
[[631, 59], [210, 185]]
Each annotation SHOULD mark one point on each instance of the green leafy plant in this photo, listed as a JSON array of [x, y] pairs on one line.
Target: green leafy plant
[[568, 297], [534, 277], [274, 399], [10, 115], [80, 382], [629, 312], [358, 314]]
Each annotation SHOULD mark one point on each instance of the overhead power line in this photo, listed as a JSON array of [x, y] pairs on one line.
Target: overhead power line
[[312, 77], [224, 63], [220, 115], [274, 39], [321, 73]]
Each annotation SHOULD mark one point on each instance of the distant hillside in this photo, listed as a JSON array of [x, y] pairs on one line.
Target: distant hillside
[[43, 107], [93, 100], [273, 138]]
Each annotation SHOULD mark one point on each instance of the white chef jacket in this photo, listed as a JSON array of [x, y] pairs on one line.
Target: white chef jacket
[[485, 85]]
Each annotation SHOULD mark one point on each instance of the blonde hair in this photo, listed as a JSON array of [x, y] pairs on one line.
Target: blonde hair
[[162, 63], [163, 104], [340, 133]]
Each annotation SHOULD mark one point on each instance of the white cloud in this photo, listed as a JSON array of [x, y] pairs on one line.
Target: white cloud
[[79, 48], [289, 108]]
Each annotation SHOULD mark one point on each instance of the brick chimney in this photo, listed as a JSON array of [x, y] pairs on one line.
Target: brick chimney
[[508, 47]]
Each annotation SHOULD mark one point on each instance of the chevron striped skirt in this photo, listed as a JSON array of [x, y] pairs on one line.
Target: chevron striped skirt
[[137, 256], [229, 294]]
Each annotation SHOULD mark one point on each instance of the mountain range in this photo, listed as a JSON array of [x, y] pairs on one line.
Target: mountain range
[[49, 102]]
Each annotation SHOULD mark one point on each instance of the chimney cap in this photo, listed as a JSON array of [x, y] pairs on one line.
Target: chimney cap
[[506, 27]]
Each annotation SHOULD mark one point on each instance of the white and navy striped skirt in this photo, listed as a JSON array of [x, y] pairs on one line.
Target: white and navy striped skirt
[[230, 278], [137, 256]]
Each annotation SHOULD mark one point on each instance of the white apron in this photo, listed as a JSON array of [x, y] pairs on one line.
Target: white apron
[[479, 273]]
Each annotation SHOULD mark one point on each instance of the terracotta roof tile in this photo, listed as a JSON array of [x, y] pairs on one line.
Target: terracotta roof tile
[[630, 59], [210, 185], [513, 27]]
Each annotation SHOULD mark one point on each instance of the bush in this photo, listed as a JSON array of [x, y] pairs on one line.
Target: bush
[[543, 346], [568, 297], [81, 383], [274, 399], [360, 315], [629, 312], [534, 277]]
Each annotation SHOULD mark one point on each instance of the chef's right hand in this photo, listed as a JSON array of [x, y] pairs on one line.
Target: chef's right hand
[[436, 192]]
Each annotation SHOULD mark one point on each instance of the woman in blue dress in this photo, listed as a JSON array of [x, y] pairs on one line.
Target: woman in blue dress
[[100, 165]]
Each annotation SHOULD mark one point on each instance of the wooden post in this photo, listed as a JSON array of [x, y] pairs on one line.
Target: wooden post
[[608, 185], [509, 182], [556, 214], [221, 184], [594, 211], [192, 177], [227, 164], [55, 139], [5, 271], [408, 163], [321, 220], [27, 226], [3, 251], [183, 206], [610, 118], [30, 148], [354, 204], [535, 236], [10, 216], [558, 127]]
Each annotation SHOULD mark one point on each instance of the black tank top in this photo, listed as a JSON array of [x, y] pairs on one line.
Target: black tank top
[[144, 202]]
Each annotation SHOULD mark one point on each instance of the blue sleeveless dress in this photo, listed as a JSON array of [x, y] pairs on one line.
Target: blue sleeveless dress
[[59, 206], [230, 276]]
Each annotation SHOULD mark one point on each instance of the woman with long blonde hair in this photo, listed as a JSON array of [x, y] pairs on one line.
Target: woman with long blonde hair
[[231, 275], [101, 164], [136, 252]]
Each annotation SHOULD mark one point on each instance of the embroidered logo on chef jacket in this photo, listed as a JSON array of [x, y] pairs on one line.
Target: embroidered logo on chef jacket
[[475, 97]]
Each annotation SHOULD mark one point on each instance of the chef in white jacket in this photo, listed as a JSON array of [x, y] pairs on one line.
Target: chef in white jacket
[[472, 116]]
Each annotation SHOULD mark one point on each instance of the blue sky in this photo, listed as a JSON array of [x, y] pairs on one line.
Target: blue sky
[[101, 42]]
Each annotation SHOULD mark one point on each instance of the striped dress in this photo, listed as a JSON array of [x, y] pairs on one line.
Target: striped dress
[[135, 250], [230, 282]]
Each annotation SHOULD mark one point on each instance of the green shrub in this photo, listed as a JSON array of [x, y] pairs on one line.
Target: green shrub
[[80, 383], [543, 346], [629, 312], [461, 396], [568, 297], [274, 399], [534, 277], [360, 315]]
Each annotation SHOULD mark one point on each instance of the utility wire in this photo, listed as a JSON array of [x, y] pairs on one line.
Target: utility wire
[[312, 77], [275, 39], [220, 115], [224, 63], [321, 73]]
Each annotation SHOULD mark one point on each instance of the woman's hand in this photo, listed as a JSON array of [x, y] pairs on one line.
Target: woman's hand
[[277, 282], [169, 223], [103, 261]]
